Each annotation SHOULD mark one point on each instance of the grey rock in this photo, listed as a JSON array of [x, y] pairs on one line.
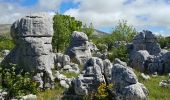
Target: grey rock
[[64, 84], [78, 48], [126, 84], [32, 36], [92, 77], [138, 60], [29, 97], [62, 59], [146, 40], [108, 69], [118, 61], [166, 62], [67, 67], [123, 76], [135, 92], [164, 83], [5, 53], [145, 77]]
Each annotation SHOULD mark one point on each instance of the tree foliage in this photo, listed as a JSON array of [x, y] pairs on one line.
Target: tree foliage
[[63, 26], [88, 29], [123, 32]]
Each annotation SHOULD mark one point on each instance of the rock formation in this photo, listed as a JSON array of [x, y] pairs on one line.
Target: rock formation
[[146, 40], [91, 78], [32, 36], [63, 63], [79, 48], [126, 84], [146, 54]]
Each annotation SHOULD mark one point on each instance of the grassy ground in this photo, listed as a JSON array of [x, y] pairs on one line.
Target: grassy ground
[[53, 94], [155, 91]]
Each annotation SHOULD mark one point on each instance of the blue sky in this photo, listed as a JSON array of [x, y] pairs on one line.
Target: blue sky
[[104, 14]]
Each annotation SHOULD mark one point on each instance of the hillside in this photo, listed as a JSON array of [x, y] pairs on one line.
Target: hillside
[[99, 33]]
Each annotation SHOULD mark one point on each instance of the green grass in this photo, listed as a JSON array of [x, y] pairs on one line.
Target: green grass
[[70, 75], [155, 91], [53, 94], [6, 43]]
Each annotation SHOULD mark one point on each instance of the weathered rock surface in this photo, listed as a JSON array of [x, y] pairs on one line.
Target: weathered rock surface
[[118, 61], [91, 77], [33, 50], [29, 97], [107, 70], [64, 81], [146, 40], [126, 84], [5, 52], [79, 48], [123, 76], [135, 92], [62, 59], [138, 60], [63, 63], [146, 54]]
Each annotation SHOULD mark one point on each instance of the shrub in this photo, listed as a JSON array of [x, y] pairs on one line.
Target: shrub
[[120, 52], [6, 43], [17, 84]]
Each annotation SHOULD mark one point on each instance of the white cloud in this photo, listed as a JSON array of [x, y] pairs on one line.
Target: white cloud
[[137, 12], [10, 12], [48, 4]]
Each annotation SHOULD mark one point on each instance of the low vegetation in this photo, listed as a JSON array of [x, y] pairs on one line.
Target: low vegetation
[[6, 43], [17, 83], [155, 91]]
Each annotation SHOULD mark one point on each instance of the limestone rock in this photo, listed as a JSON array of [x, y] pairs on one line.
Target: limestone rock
[[5, 53], [126, 84], [79, 49], [33, 50], [145, 77], [123, 76], [62, 59], [92, 77], [118, 61], [134, 92], [138, 60], [108, 69], [29, 97], [146, 40], [166, 62]]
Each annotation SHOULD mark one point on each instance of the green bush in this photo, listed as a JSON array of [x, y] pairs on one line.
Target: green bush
[[120, 52], [6, 43], [17, 84], [102, 47]]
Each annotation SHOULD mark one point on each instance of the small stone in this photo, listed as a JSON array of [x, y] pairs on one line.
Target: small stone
[[64, 84], [145, 77], [29, 97]]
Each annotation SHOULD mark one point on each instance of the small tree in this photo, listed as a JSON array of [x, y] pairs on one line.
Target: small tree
[[63, 26], [123, 32], [88, 29]]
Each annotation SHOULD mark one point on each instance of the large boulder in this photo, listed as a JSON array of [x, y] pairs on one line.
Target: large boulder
[[32, 36], [79, 48], [107, 70], [135, 92], [126, 84], [91, 78], [62, 59], [146, 40], [166, 62], [123, 76], [138, 60]]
